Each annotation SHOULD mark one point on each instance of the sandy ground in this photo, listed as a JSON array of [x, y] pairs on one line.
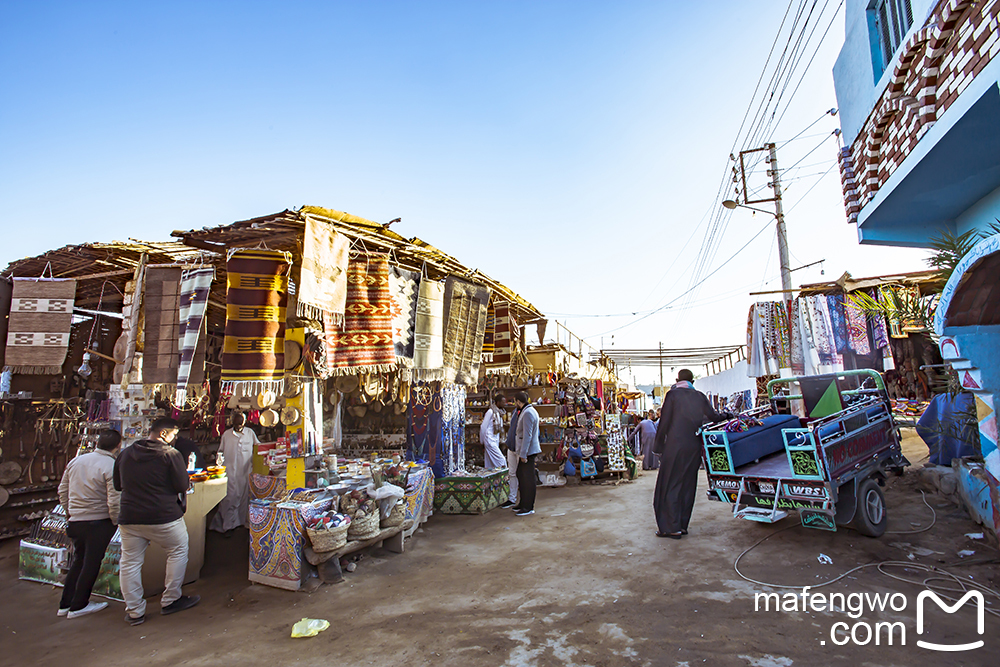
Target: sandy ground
[[582, 582]]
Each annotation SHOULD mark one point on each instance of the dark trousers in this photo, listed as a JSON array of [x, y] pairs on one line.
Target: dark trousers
[[526, 483], [90, 541]]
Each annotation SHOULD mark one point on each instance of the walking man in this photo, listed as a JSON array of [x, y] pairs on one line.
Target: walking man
[[684, 410], [511, 446], [527, 449], [153, 479], [87, 492], [646, 430]]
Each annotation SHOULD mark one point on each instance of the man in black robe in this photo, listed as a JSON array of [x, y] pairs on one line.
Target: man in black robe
[[684, 411]]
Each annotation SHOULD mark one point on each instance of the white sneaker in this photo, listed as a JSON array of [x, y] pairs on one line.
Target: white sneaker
[[62, 612], [89, 609]]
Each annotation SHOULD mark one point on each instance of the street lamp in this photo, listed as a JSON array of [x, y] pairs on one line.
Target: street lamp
[[786, 273]]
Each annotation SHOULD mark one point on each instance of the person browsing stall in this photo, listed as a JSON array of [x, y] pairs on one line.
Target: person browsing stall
[[491, 433], [237, 451], [511, 446], [528, 448], [88, 494], [153, 479]]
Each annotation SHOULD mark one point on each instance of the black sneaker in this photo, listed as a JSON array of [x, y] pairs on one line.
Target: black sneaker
[[180, 604], [505, 504], [524, 512], [135, 620]]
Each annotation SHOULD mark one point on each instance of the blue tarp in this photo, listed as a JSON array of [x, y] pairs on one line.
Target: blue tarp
[[949, 427]]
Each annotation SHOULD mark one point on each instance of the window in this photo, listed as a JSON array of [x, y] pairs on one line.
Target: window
[[888, 22]]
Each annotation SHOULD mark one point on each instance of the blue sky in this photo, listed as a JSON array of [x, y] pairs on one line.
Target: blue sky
[[568, 149]]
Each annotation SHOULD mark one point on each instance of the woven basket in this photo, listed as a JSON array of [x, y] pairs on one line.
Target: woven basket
[[364, 526], [328, 540], [396, 516]]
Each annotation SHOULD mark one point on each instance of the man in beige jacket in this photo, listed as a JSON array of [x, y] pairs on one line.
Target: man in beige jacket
[[87, 492]]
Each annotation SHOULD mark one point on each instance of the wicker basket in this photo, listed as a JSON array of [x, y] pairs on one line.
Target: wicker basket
[[328, 540], [363, 526], [396, 516]]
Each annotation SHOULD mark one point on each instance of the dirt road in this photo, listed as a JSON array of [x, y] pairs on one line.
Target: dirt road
[[582, 582]]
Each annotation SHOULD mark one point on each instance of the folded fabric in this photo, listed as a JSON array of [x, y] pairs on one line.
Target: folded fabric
[[41, 316]]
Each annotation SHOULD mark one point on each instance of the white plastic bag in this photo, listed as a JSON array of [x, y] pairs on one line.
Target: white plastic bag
[[386, 496]]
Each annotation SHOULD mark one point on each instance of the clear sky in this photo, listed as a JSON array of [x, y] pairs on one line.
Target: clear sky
[[572, 150]]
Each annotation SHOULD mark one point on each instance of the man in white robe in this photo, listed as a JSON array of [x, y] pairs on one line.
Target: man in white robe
[[237, 451]]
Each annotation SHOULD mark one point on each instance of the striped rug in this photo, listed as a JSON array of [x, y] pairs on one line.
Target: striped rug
[[41, 315], [253, 353], [195, 286], [365, 342], [465, 324]]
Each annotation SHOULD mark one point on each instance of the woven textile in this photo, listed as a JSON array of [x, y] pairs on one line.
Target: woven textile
[[322, 286], [41, 315], [465, 324], [253, 353], [419, 496], [838, 317], [365, 342], [471, 495], [489, 337], [162, 320], [428, 340], [450, 459], [195, 286], [505, 336], [404, 287], [857, 329], [5, 294]]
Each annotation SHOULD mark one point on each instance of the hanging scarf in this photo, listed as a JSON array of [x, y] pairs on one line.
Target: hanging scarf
[[857, 329], [835, 303], [195, 286]]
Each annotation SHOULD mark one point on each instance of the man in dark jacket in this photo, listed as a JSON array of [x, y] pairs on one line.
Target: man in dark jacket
[[684, 411], [153, 479]]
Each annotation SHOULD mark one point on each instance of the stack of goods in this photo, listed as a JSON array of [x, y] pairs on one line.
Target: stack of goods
[[211, 472], [364, 514], [328, 531]]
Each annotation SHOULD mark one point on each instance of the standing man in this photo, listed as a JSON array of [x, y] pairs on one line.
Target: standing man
[[153, 479], [491, 432], [684, 411], [511, 445], [646, 430], [237, 451], [87, 492], [527, 449]]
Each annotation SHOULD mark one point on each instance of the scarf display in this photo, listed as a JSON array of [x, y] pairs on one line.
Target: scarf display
[[465, 324], [451, 454], [322, 285], [880, 334], [161, 322], [365, 343], [195, 287], [505, 336], [428, 340], [41, 316], [768, 340], [489, 336], [857, 329], [404, 288], [253, 353], [835, 303]]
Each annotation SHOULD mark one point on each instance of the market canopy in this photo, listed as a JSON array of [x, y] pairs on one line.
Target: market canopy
[[653, 357], [284, 231]]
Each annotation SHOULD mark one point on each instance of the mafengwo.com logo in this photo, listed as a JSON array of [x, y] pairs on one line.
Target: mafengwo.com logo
[[860, 631]]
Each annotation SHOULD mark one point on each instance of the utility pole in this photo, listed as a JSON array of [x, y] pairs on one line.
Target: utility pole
[[786, 273], [661, 364]]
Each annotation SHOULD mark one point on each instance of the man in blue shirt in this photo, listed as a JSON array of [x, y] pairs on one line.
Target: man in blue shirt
[[528, 448]]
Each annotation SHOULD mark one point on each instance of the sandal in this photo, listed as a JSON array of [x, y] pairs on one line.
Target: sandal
[[673, 536]]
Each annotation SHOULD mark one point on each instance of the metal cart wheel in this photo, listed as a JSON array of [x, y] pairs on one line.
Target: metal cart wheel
[[870, 517]]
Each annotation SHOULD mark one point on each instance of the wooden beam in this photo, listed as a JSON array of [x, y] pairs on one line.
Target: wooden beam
[[204, 245]]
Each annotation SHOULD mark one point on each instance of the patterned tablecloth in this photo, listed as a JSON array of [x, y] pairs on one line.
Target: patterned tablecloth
[[471, 495], [419, 497], [277, 531]]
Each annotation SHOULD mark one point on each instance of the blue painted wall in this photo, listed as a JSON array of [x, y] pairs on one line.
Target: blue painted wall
[[981, 345]]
